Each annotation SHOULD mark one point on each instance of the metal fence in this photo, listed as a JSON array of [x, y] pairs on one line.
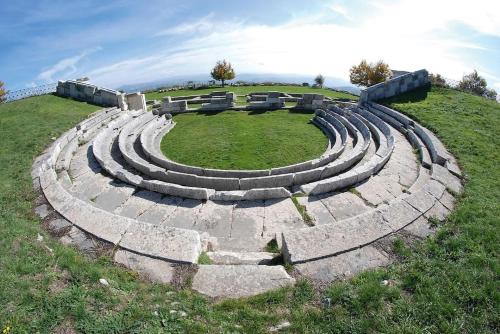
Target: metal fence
[[32, 91]]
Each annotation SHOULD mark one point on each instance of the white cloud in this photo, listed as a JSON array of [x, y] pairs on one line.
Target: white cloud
[[409, 35], [65, 67], [201, 25], [341, 11]]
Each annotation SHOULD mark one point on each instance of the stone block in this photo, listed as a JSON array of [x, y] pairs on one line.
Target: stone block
[[344, 265], [163, 242], [136, 101], [241, 258], [153, 269], [332, 239], [266, 193], [235, 281], [449, 180], [273, 181]]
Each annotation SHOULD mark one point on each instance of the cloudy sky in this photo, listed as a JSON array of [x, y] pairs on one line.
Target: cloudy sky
[[128, 42]]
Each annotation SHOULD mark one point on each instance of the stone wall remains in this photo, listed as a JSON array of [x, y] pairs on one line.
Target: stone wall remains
[[83, 91], [394, 86]]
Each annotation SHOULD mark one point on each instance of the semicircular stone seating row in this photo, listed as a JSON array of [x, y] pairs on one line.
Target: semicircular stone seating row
[[137, 137], [109, 178]]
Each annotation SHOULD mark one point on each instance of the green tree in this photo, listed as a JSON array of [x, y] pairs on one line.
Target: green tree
[[473, 83], [3, 92], [490, 94], [223, 71], [319, 80], [438, 80], [367, 75]]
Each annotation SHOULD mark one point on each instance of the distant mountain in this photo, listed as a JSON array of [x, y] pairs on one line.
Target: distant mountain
[[331, 82]]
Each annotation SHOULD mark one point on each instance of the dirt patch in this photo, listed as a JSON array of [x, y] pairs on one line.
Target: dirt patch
[[60, 283], [183, 275], [66, 327]]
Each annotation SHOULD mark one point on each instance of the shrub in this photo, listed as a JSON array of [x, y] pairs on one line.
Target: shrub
[[437, 80], [367, 75], [3, 92], [490, 94]]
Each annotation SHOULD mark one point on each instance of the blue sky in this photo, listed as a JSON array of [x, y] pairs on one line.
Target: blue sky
[[126, 42]]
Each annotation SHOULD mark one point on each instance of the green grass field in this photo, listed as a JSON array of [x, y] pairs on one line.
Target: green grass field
[[243, 90], [447, 284], [244, 140]]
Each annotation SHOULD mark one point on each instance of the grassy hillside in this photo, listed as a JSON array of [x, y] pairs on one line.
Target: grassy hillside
[[244, 140], [448, 284], [243, 90]]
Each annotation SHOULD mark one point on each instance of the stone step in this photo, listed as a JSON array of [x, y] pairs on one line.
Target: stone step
[[344, 265], [241, 258], [235, 281]]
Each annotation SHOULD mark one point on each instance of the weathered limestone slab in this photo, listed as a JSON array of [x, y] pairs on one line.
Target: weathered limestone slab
[[242, 244], [436, 149], [328, 240], [247, 219], [241, 258], [448, 200], [273, 181], [399, 214], [136, 101], [233, 281], [420, 228], [164, 242], [266, 193], [316, 209], [344, 205], [281, 215], [233, 195], [83, 162], [77, 238], [421, 200], [89, 187], [185, 214], [423, 178], [343, 265], [114, 196], [215, 218], [177, 190], [438, 211], [442, 175], [57, 225], [42, 211], [110, 228], [434, 188], [136, 204], [453, 167], [154, 269], [160, 211]]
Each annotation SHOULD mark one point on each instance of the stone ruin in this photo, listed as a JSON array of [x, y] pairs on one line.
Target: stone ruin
[[310, 101], [272, 100], [106, 180], [83, 91], [212, 101]]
